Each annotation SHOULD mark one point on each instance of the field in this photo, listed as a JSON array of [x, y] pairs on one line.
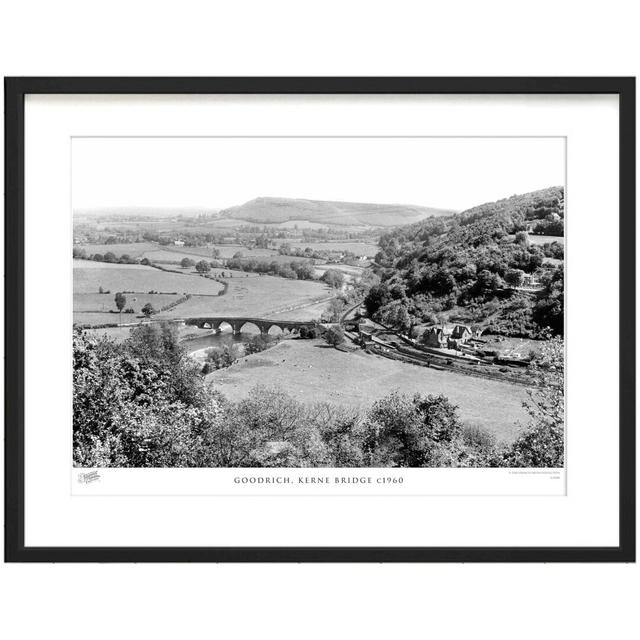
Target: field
[[257, 296], [94, 308], [313, 372], [248, 294], [91, 307], [275, 258], [544, 239], [134, 249], [88, 276], [357, 248], [349, 272], [172, 253]]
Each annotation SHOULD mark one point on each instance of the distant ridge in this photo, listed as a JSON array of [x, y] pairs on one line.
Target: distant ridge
[[146, 212], [275, 210]]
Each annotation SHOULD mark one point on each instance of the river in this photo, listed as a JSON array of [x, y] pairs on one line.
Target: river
[[196, 346]]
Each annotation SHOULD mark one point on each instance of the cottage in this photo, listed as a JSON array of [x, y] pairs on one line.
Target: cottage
[[436, 336], [529, 280], [446, 336], [178, 243]]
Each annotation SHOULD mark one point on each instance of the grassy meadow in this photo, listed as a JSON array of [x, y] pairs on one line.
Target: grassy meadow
[[357, 379], [357, 248], [89, 276], [256, 296]]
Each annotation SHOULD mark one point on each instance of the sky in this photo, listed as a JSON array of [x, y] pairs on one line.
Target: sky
[[215, 173]]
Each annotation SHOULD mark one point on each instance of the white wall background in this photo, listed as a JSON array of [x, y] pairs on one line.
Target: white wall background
[[329, 38]]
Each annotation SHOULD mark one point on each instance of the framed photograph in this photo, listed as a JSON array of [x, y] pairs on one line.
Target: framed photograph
[[320, 319]]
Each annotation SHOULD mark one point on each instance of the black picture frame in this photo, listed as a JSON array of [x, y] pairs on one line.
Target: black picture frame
[[15, 91]]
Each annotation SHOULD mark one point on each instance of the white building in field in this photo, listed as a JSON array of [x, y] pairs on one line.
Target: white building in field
[[178, 243]]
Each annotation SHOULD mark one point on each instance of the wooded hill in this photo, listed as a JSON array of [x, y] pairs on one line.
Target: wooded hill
[[471, 266]]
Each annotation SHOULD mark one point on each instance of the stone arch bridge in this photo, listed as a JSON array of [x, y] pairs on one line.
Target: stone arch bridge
[[263, 324]]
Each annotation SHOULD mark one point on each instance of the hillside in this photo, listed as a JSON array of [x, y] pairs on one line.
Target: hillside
[[470, 267], [277, 210]]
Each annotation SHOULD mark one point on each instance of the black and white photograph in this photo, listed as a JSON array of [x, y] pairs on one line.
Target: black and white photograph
[[365, 316], [308, 302]]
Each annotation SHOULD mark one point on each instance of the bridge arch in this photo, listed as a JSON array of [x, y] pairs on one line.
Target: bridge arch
[[223, 325], [279, 329], [242, 325]]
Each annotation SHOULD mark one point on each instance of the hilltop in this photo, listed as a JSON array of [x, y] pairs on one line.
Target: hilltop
[[277, 210]]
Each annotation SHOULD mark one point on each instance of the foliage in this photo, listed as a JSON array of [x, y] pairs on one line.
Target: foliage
[[144, 403], [514, 277], [309, 333], [140, 403], [148, 310], [542, 443], [334, 335], [203, 267], [294, 270], [333, 278], [222, 357], [259, 343], [471, 258], [334, 310], [120, 300]]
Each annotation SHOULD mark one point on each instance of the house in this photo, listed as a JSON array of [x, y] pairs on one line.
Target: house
[[461, 333], [178, 243], [529, 280], [446, 336]]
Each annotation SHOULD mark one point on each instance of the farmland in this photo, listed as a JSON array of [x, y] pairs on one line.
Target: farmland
[[357, 248], [137, 281], [356, 379], [247, 294], [258, 296], [171, 253], [89, 276], [349, 272], [100, 308]]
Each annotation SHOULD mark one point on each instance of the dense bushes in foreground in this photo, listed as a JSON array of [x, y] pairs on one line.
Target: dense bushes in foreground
[[143, 403]]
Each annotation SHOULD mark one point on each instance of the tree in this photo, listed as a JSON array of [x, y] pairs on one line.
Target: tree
[[148, 310], [417, 432], [333, 278], [121, 301], [110, 257], [542, 443], [223, 357], [203, 267], [394, 314], [377, 297], [334, 310], [514, 277], [334, 335], [185, 263], [127, 396]]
